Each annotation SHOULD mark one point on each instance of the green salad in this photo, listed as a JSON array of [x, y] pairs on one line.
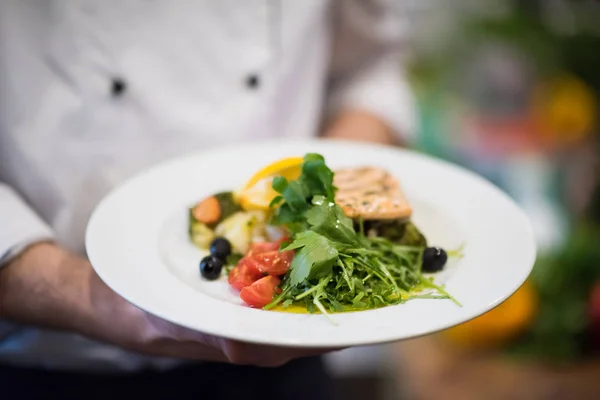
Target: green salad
[[305, 251]]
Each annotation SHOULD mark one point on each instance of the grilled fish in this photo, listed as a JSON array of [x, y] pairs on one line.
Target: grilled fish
[[371, 193]]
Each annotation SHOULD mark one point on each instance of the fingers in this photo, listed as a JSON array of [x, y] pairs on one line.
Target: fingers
[[175, 341], [265, 356], [158, 328], [184, 350]]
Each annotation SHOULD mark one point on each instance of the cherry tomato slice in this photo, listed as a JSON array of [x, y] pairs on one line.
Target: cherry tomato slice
[[262, 247], [273, 263], [261, 292], [242, 276]]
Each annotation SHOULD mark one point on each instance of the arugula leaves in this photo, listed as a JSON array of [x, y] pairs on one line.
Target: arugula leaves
[[336, 266]]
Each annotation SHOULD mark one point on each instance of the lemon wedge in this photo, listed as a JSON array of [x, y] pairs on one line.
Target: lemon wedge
[[257, 193]]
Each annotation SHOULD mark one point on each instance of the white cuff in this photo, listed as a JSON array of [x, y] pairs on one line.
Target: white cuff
[[20, 226]]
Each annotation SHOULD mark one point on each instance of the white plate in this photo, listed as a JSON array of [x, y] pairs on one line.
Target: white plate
[[137, 242]]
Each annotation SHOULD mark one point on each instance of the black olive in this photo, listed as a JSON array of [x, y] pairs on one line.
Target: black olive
[[210, 267], [220, 248], [434, 259]]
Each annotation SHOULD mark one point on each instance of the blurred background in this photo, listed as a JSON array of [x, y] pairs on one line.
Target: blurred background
[[511, 90]]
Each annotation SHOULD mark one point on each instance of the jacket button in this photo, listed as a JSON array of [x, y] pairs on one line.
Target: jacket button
[[252, 81], [118, 87]]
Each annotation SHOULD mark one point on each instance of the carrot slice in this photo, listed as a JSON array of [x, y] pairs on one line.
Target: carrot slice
[[207, 211]]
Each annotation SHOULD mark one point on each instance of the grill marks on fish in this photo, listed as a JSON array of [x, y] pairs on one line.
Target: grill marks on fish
[[370, 193]]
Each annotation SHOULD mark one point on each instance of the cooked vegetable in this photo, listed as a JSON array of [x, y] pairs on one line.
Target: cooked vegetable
[[242, 228], [205, 215], [215, 209], [220, 248], [207, 211], [434, 259], [227, 204], [396, 230], [412, 236], [200, 234], [211, 267]]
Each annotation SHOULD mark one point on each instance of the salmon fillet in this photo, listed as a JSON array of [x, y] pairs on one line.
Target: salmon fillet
[[370, 193]]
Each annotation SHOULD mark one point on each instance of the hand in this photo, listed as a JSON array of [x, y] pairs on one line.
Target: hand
[[70, 296], [360, 126], [137, 330]]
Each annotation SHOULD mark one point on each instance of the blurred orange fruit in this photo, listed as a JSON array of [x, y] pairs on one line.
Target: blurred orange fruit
[[564, 109], [499, 325]]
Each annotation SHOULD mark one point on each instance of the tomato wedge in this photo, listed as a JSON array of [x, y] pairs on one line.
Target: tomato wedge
[[261, 292], [256, 275], [273, 263], [263, 247], [241, 276]]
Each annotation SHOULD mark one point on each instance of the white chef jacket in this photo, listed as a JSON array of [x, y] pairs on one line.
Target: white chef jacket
[[93, 91]]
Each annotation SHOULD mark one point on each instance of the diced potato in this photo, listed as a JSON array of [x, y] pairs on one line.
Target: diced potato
[[200, 234], [241, 228]]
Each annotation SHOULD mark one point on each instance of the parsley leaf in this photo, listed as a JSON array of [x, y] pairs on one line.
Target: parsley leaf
[[317, 177], [296, 196], [315, 258]]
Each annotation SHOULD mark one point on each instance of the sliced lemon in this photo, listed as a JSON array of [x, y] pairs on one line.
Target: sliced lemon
[[257, 193], [286, 165]]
